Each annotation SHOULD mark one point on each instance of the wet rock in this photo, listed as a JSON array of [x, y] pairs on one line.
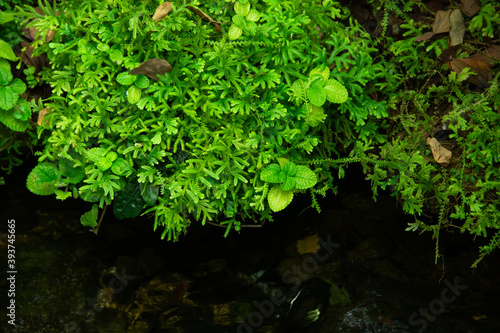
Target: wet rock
[[307, 305]]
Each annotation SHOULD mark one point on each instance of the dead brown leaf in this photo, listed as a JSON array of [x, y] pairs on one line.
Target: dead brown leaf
[[470, 7], [27, 57], [152, 67], [490, 56], [457, 27], [482, 70], [308, 245], [205, 17], [42, 114], [426, 36], [441, 25], [162, 11], [441, 154], [441, 22], [31, 32]]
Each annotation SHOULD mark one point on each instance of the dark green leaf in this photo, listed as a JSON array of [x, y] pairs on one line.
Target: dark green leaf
[[74, 174], [42, 180], [89, 219], [7, 98], [149, 193], [5, 73], [121, 167], [128, 202]]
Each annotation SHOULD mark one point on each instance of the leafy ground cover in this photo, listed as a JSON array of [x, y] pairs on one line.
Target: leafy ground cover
[[219, 112]]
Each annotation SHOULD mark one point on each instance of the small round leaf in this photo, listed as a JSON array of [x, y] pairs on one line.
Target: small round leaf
[[133, 94], [316, 95], [242, 8], [142, 81], [126, 79], [335, 91], [234, 32], [253, 15]]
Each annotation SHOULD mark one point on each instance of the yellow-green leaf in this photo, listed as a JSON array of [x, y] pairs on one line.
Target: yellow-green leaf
[[6, 51], [253, 15], [234, 32], [133, 94], [335, 91], [279, 199], [242, 8]]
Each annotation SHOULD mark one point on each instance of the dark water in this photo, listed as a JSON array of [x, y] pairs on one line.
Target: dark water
[[351, 268]]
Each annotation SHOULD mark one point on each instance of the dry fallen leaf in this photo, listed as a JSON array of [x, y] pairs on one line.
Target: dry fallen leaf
[[308, 245], [426, 36], [441, 25], [42, 114], [152, 67], [31, 32], [27, 57], [441, 22], [205, 17], [162, 11], [441, 154], [457, 27], [470, 7], [490, 56], [482, 70]]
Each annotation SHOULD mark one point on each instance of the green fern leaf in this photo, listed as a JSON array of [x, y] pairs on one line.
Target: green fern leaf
[[299, 90], [315, 115]]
